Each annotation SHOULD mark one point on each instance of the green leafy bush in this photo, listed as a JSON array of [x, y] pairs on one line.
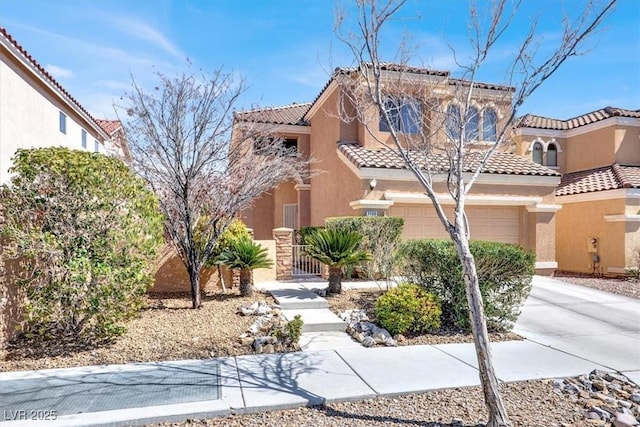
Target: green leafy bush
[[504, 273], [380, 237], [305, 232], [87, 231], [408, 308]]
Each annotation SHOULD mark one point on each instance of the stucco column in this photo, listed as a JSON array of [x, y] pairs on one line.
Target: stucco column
[[304, 204], [542, 223], [284, 253]]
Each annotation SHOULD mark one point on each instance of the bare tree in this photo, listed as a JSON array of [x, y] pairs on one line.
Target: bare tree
[[180, 135], [433, 140]]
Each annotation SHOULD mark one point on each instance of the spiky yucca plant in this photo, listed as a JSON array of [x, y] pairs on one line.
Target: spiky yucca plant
[[245, 255], [336, 248]]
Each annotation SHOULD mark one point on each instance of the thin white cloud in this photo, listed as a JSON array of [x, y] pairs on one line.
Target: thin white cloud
[[140, 29], [58, 72]]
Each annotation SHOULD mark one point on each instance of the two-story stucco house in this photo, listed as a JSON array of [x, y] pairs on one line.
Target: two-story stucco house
[[354, 174], [36, 111], [598, 154]]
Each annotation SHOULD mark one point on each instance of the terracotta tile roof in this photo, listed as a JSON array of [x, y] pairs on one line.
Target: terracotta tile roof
[[30, 59], [500, 163], [292, 114], [538, 122], [600, 179], [109, 126]]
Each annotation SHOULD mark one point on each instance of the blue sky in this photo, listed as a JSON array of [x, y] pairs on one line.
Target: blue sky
[[285, 49]]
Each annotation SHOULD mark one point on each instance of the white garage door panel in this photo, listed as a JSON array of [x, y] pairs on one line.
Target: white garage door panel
[[499, 224]]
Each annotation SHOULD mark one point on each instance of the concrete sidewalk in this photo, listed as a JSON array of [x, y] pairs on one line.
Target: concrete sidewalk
[[266, 382], [138, 394]]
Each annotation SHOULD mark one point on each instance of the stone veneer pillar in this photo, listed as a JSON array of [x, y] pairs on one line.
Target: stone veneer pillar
[[284, 253]]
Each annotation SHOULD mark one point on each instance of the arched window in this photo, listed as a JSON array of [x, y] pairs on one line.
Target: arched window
[[537, 153], [489, 125], [552, 155], [471, 124], [453, 122]]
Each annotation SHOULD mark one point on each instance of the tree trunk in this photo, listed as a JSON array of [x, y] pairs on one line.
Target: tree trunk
[[246, 287], [497, 412], [194, 280], [335, 280]]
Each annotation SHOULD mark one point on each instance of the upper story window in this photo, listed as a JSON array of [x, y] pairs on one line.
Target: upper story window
[[96, 146], [476, 126], [84, 138], [537, 153], [552, 155], [489, 125], [405, 116], [453, 124], [63, 122], [471, 124], [288, 146]]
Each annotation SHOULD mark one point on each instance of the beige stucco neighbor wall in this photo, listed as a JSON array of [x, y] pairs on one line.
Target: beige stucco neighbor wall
[[30, 113], [577, 222], [266, 274], [172, 275]]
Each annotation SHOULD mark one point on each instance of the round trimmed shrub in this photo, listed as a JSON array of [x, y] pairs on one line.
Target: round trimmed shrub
[[408, 308]]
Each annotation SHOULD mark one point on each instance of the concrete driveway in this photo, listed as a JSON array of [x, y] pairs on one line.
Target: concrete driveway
[[597, 326]]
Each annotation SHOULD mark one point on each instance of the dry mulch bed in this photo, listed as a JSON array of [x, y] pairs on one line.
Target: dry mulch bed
[[166, 329]]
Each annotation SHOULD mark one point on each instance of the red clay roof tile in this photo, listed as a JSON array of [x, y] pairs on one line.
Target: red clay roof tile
[[500, 163], [599, 179], [292, 114], [538, 122]]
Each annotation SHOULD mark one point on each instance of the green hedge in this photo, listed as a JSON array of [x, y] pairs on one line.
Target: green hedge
[[504, 272], [408, 308], [380, 237]]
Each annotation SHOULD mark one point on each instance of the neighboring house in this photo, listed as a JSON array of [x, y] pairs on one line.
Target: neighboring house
[[598, 154], [36, 111], [512, 200]]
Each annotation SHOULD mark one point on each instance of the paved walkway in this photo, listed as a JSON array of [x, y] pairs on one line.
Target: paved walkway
[[216, 387]]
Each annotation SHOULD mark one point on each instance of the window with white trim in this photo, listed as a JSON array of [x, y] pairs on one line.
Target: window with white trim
[[96, 146], [552, 155], [84, 138], [536, 154]]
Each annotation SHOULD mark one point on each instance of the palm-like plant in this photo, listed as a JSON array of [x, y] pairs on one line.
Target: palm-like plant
[[245, 255], [336, 248]]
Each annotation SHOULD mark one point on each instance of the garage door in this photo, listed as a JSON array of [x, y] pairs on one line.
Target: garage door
[[494, 223]]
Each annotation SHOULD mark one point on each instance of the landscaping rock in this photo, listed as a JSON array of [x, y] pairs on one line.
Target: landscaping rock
[[364, 331], [606, 397], [266, 334]]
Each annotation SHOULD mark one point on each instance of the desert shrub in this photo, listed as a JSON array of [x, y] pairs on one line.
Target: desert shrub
[[87, 231], [236, 231], [504, 273], [289, 333], [408, 308], [380, 237]]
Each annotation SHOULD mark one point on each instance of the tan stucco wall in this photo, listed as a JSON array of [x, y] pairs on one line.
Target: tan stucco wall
[[266, 274], [285, 194], [627, 145], [577, 222], [172, 275], [335, 185], [29, 116]]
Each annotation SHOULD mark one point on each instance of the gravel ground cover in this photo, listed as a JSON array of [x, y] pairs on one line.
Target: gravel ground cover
[[167, 329], [621, 286], [529, 403]]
